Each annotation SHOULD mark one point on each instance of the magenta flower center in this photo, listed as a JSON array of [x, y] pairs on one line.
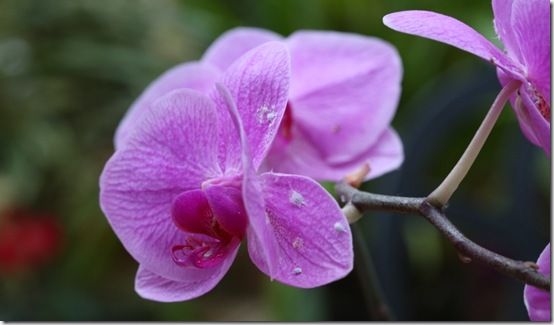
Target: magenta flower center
[[213, 219]]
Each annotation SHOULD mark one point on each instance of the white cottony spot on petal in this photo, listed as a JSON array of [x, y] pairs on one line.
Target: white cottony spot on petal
[[339, 227], [271, 116], [265, 114], [296, 199], [208, 254], [297, 242], [297, 271]]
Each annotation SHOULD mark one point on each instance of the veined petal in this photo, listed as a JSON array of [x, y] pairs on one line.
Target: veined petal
[[300, 157], [386, 155], [192, 75], [281, 206], [171, 150], [258, 83], [310, 239], [537, 301], [502, 10], [534, 120], [228, 47], [531, 27], [193, 283], [251, 188], [448, 30], [532, 124], [344, 91]]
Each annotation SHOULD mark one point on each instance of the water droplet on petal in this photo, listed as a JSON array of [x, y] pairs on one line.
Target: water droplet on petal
[[296, 199], [271, 116], [297, 271], [339, 227]]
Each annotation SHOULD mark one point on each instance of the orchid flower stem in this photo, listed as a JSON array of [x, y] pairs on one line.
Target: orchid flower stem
[[373, 294], [440, 196]]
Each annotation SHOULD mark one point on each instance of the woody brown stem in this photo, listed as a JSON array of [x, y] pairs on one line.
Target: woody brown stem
[[365, 201]]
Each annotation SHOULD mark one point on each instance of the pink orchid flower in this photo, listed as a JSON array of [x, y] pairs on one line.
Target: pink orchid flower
[[524, 28], [537, 301], [343, 95], [183, 189]]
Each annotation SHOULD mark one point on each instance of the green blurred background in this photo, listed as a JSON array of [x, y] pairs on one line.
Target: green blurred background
[[70, 69]]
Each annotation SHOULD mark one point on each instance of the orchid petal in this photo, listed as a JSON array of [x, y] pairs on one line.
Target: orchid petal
[[387, 154], [228, 47], [193, 75], [344, 91], [300, 157], [193, 283], [502, 10], [534, 121], [531, 27], [264, 238], [254, 207], [258, 83], [448, 30], [172, 150], [537, 301], [310, 239]]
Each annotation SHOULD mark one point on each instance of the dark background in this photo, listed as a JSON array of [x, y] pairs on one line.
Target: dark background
[[70, 69]]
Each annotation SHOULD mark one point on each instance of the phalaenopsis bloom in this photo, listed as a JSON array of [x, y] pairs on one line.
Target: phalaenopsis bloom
[[183, 188], [537, 300], [523, 26], [343, 94]]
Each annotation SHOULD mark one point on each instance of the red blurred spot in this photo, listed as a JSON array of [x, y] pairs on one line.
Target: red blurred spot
[[27, 240]]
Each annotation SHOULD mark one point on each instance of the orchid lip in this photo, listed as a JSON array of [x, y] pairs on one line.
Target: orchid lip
[[212, 218], [200, 251]]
